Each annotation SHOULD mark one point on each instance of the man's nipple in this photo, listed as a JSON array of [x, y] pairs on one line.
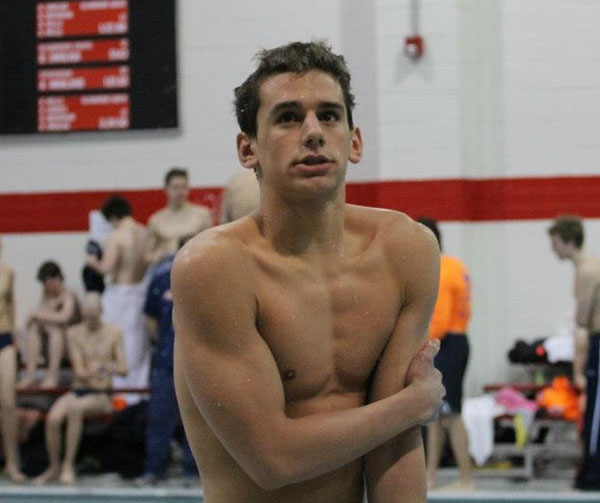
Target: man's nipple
[[288, 374]]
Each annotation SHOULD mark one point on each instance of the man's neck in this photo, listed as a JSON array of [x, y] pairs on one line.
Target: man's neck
[[176, 206], [55, 295], [93, 325], [306, 227], [578, 257], [124, 222]]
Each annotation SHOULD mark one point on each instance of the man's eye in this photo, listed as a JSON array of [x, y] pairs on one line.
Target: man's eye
[[287, 117], [330, 116]]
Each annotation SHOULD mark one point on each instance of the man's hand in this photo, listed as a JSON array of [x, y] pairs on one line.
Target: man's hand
[[427, 380]]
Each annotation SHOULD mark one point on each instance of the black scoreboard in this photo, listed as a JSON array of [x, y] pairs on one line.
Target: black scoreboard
[[87, 65]]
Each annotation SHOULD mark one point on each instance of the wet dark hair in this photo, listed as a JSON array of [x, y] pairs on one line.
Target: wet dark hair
[[569, 228], [175, 172], [116, 206], [296, 57], [432, 225], [49, 269]]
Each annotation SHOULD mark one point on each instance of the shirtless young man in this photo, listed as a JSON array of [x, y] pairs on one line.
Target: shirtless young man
[[301, 361], [96, 352], [8, 372], [178, 219], [566, 235], [241, 197], [58, 309], [123, 299]]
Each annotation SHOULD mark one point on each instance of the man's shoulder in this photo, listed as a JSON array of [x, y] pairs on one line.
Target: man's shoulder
[[393, 228], [590, 270], [212, 253], [198, 209]]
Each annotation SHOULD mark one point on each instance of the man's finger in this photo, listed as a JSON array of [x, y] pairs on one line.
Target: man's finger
[[431, 348]]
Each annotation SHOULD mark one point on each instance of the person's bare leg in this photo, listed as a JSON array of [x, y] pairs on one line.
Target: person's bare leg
[[460, 448], [32, 353], [56, 344], [54, 422], [435, 444], [78, 409], [8, 412]]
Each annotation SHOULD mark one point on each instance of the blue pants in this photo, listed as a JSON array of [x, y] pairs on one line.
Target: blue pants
[[164, 423]]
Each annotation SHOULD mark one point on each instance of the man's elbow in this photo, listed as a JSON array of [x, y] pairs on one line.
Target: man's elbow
[[270, 477], [274, 471]]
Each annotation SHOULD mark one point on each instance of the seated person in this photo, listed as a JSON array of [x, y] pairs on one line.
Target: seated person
[[96, 352], [57, 311]]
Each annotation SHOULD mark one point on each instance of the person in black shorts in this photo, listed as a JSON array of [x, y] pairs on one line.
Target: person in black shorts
[[8, 373], [449, 324]]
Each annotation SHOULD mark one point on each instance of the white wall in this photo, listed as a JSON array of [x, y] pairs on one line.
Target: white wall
[[507, 88]]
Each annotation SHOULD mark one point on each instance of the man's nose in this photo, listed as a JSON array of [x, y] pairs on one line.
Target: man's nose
[[312, 131]]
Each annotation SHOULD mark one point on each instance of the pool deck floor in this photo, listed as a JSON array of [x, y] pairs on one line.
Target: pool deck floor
[[544, 489]]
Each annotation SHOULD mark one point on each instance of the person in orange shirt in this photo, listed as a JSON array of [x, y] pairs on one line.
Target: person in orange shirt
[[449, 324]]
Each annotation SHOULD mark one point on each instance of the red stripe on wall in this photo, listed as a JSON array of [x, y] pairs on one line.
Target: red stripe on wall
[[68, 211], [445, 200], [485, 200]]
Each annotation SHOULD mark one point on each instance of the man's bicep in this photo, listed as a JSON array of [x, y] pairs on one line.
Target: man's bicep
[[585, 294], [228, 368], [396, 470], [411, 330]]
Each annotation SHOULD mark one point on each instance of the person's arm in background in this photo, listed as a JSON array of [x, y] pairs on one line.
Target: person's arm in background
[[110, 257], [118, 364], [60, 317], [395, 471], [151, 309], [235, 382], [10, 299], [586, 296], [153, 253]]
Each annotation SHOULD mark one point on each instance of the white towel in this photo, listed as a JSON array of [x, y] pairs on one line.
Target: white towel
[[123, 306], [478, 416]]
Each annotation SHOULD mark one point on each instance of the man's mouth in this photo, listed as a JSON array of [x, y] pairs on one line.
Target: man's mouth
[[313, 160]]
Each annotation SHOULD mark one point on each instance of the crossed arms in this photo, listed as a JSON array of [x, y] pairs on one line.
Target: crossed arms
[[235, 382]]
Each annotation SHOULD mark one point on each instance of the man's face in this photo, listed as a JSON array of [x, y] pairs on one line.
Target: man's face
[[561, 249], [303, 140], [53, 286], [177, 190]]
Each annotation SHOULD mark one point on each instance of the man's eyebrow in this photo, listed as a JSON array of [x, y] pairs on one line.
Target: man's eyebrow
[[286, 105]]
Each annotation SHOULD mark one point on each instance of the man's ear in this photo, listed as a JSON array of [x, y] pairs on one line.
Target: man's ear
[[356, 146], [246, 151]]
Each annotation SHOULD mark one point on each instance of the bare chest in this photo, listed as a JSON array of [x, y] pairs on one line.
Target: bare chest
[[327, 333], [174, 225], [96, 347]]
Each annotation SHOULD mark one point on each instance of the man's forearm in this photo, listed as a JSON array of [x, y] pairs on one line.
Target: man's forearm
[[52, 317], [581, 354], [303, 448], [395, 471]]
